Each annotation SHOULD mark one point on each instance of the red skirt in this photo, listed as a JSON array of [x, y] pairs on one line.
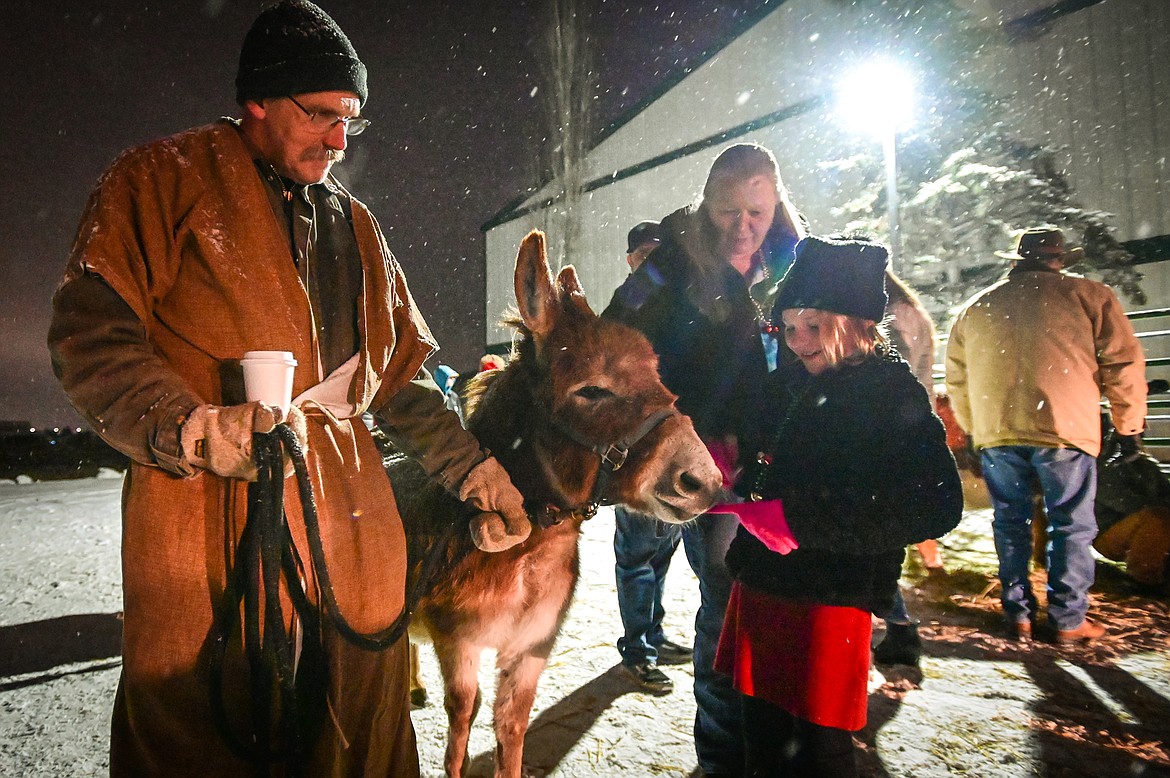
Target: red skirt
[[811, 660]]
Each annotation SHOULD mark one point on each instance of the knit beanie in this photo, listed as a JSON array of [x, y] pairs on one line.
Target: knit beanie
[[294, 48], [839, 275]]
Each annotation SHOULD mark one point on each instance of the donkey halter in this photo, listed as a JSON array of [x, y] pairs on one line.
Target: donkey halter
[[611, 455]]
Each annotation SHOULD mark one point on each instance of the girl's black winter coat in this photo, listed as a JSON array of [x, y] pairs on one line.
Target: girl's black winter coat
[[860, 461]]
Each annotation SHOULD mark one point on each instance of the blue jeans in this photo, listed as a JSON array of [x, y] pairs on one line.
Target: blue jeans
[[898, 613], [1068, 481], [643, 547]]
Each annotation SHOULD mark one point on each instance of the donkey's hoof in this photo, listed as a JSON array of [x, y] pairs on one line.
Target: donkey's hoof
[[418, 698]]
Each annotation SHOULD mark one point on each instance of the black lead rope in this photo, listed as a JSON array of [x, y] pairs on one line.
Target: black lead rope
[[266, 554], [372, 641]]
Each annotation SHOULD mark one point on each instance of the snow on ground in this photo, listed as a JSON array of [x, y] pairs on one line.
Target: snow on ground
[[60, 593], [978, 707]]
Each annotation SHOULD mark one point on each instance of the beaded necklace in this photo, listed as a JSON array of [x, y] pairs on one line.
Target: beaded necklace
[[763, 458], [766, 325]]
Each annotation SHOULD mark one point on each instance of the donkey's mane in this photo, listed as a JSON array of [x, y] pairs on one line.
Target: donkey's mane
[[498, 403]]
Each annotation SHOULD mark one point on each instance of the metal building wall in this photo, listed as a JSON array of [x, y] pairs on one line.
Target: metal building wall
[[1089, 82], [1097, 85]]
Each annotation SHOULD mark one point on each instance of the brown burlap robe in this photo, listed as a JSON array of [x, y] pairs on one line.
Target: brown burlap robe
[[183, 232]]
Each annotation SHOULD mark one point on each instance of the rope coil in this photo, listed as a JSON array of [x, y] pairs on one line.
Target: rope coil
[[288, 690]]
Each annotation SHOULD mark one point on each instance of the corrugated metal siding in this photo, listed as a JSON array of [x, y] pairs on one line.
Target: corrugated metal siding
[[1097, 87], [1093, 84]]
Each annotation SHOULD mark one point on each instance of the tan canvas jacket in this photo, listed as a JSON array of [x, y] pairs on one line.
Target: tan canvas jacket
[[1029, 359], [183, 232]]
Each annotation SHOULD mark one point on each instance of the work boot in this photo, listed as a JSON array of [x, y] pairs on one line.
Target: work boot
[[1087, 632], [1021, 631], [901, 646], [650, 677], [671, 653]]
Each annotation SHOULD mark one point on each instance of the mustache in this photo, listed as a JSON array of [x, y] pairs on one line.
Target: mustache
[[323, 155]]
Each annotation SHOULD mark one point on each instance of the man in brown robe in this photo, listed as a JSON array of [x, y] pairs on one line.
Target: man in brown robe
[[192, 250]]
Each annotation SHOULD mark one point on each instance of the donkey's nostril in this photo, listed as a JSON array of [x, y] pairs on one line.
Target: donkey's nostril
[[688, 484]]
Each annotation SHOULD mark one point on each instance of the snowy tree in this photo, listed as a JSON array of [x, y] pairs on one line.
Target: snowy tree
[[966, 185], [953, 223], [569, 92]]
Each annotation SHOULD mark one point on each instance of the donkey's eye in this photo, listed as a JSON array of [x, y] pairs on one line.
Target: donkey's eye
[[593, 393]]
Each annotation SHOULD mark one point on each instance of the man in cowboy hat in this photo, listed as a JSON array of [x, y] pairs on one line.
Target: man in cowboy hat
[[1028, 360]]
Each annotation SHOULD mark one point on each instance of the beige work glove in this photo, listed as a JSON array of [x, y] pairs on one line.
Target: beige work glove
[[504, 522], [219, 438]]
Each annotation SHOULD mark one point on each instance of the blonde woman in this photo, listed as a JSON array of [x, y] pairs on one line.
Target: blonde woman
[[701, 297]]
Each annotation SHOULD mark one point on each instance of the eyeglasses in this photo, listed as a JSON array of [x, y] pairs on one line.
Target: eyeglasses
[[324, 122]]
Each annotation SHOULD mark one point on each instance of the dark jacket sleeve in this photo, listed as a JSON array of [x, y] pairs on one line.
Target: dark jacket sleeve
[[419, 423], [642, 301], [113, 376], [885, 478]]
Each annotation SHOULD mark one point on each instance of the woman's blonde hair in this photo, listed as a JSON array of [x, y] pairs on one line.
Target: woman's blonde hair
[[736, 163], [742, 161], [848, 340]]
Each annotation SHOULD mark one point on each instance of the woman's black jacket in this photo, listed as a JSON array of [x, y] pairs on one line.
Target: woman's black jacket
[[861, 464]]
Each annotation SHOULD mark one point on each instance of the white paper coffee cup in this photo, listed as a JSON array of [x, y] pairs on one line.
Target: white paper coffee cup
[[268, 377]]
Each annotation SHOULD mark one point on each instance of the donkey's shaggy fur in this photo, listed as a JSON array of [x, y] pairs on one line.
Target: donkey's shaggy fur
[[575, 382]]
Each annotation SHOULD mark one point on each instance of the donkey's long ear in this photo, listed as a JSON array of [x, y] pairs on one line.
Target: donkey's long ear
[[572, 295], [535, 294]]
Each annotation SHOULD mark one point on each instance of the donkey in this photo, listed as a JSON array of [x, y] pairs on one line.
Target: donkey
[[578, 418]]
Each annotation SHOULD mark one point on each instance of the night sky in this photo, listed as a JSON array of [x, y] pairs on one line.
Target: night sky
[[456, 134]]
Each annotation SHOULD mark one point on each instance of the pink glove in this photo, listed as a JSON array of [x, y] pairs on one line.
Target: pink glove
[[725, 452], [765, 520]]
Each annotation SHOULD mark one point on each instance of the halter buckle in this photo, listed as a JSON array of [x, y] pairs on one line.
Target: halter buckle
[[614, 457]]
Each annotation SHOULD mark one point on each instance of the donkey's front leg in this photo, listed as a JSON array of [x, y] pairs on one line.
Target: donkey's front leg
[[459, 663], [515, 692]]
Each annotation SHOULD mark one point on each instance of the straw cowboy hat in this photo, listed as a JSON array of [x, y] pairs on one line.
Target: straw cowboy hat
[[1042, 243]]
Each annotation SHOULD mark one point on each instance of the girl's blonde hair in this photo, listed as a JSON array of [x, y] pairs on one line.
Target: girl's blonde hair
[[849, 340]]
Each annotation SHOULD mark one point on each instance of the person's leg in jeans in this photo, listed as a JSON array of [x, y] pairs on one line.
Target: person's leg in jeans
[[1068, 478], [898, 612], [642, 548], [718, 736], [1008, 472]]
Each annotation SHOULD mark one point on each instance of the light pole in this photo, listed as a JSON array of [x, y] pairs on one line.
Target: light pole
[[877, 98]]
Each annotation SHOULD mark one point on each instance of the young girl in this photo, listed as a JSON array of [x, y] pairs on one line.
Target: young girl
[[855, 468]]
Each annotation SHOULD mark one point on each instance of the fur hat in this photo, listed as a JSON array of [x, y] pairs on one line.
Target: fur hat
[[293, 48], [1042, 244], [833, 274]]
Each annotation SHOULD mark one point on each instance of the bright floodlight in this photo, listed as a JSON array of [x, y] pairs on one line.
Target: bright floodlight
[[876, 97]]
